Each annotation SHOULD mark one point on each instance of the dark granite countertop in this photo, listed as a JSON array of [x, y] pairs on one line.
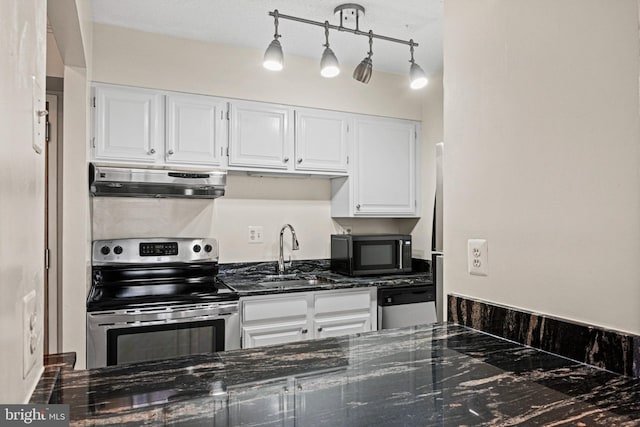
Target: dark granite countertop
[[245, 277], [440, 375]]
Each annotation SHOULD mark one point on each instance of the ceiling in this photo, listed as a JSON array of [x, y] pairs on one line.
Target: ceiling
[[246, 23]]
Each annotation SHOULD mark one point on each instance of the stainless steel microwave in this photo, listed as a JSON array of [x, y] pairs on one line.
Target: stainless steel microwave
[[370, 254]]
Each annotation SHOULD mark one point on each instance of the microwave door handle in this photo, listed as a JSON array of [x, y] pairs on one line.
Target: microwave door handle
[[400, 254]]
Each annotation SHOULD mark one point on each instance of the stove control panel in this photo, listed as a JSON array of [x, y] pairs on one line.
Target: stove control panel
[[150, 251], [158, 249]]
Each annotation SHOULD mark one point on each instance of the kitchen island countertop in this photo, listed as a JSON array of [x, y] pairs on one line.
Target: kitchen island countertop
[[441, 375]]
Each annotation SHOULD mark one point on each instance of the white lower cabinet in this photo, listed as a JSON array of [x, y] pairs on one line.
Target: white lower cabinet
[[274, 333], [283, 318], [270, 404]]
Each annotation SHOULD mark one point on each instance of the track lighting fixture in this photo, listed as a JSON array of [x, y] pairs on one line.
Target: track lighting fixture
[[417, 77], [273, 57], [329, 65], [363, 71]]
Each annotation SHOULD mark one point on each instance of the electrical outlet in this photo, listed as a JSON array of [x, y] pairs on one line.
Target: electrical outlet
[[478, 257], [256, 234], [31, 332]]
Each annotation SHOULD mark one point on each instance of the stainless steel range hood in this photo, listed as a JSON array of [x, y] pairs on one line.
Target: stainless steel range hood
[[114, 181]]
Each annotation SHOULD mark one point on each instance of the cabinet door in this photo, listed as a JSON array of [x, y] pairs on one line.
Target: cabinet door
[[342, 325], [385, 170], [274, 333], [344, 312], [328, 400], [276, 319], [128, 124], [260, 135], [266, 405], [196, 129], [321, 140]]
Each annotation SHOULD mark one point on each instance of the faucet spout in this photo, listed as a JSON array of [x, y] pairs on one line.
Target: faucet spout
[[294, 246]]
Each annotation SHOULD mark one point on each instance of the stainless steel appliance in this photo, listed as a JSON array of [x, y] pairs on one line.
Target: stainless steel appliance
[[368, 254], [128, 182], [437, 254], [153, 299], [406, 306]]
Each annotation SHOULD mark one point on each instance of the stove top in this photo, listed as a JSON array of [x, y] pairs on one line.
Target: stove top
[[155, 295], [142, 273]]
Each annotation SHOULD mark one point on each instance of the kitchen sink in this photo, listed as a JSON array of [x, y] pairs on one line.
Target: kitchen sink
[[291, 281]]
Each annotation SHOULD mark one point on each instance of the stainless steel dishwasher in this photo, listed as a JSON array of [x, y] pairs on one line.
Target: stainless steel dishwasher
[[406, 306]]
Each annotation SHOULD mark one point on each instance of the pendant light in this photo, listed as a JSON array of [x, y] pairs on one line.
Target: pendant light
[[273, 57], [417, 77], [363, 71], [329, 66]]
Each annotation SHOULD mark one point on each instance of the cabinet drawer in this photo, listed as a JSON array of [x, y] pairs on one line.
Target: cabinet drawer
[[277, 308], [347, 301]]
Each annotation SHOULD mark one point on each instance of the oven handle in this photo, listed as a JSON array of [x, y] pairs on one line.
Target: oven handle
[[137, 323], [171, 315]]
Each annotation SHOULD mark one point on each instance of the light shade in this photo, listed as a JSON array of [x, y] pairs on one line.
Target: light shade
[[273, 57], [363, 71], [329, 66], [417, 77]]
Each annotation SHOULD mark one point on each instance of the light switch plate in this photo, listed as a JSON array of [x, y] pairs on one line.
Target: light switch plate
[[38, 120], [478, 257]]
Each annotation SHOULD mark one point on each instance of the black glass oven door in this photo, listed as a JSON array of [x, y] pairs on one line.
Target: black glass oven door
[[375, 255], [157, 342]]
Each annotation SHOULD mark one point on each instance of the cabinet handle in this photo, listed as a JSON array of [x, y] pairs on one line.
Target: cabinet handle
[[170, 152], [286, 389], [358, 207], [152, 151], [304, 331], [319, 329], [300, 160], [286, 159]]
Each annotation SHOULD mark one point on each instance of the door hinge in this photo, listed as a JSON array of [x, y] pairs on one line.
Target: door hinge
[[46, 259], [93, 142], [347, 128], [228, 115], [347, 159], [227, 151], [94, 102]]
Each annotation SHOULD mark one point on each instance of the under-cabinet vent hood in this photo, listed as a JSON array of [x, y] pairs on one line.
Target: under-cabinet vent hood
[[114, 181]]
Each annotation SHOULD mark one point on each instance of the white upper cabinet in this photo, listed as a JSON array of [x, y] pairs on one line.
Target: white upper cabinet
[[196, 129], [321, 140], [260, 135], [128, 124], [384, 179]]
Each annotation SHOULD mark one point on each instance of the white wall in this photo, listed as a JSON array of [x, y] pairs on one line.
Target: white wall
[[542, 156], [135, 58], [55, 66], [72, 29], [23, 52], [432, 133]]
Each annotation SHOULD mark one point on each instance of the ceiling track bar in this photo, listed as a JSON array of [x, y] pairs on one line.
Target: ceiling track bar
[[342, 28]]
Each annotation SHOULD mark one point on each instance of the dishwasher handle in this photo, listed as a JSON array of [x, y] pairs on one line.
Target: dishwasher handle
[[406, 295]]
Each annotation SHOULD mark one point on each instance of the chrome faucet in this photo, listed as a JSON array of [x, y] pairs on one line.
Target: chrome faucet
[[294, 247]]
